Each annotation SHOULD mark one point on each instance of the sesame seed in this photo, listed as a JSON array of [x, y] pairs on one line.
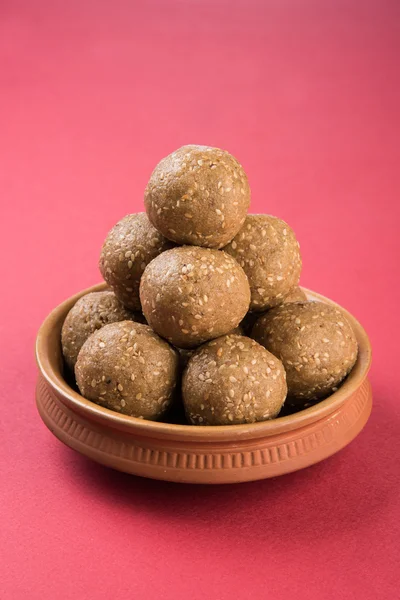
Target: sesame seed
[[232, 393], [120, 387], [198, 316], [230, 417], [138, 396], [325, 340], [132, 377], [93, 383], [102, 345], [232, 379]]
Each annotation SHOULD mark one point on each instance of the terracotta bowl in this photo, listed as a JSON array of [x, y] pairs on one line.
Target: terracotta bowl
[[196, 454]]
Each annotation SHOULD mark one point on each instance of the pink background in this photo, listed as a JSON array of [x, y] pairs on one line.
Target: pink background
[[93, 93]]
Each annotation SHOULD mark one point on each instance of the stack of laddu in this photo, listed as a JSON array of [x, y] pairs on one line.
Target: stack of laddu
[[204, 307]]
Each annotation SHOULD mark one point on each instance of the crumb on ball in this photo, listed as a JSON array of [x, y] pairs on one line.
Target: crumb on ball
[[315, 343], [130, 245], [90, 313], [267, 249], [190, 295], [233, 380], [198, 195], [127, 368]]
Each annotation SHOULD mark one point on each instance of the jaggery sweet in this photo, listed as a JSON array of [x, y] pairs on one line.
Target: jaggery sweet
[[198, 195], [315, 343], [268, 251], [126, 367], [233, 380], [190, 295]]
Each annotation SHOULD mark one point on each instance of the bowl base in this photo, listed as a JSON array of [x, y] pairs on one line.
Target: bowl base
[[207, 462]]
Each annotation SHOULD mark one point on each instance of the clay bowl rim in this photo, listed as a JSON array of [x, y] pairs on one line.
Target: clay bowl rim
[[49, 364]]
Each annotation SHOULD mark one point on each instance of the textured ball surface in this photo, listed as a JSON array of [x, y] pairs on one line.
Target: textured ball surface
[[268, 251], [126, 367], [130, 245], [315, 343], [198, 195], [233, 380], [190, 295], [90, 313], [296, 295]]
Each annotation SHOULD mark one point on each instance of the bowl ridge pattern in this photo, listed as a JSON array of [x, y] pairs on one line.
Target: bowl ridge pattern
[[325, 437]]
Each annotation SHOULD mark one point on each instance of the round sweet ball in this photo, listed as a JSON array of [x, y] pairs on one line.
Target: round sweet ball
[[314, 341], [233, 380], [90, 313], [268, 251], [198, 195], [190, 295], [130, 245], [126, 367]]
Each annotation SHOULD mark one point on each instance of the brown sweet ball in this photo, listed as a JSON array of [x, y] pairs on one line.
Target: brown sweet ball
[[130, 245], [198, 195], [190, 295], [296, 295], [314, 341], [268, 251], [233, 380], [91, 312], [126, 367]]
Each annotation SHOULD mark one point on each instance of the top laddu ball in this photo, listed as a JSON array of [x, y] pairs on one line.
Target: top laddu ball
[[199, 196]]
